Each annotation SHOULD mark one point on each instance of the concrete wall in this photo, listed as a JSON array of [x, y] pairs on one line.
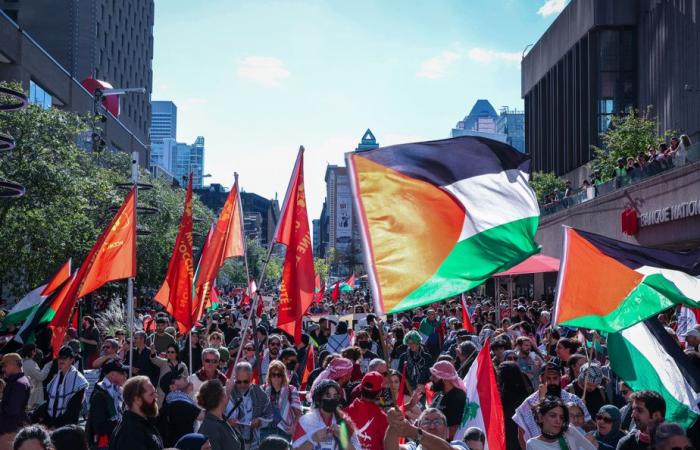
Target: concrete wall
[[602, 214]]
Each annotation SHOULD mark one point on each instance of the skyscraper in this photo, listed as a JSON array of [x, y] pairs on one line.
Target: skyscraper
[[111, 40], [189, 158], [163, 120]]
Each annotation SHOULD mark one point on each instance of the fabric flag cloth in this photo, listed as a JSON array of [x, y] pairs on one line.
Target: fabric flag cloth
[[483, 408], [176, 292], [439, 218], [629, 283], [466, 323], [309, 366], [319, 289], [44, 313], [335, 293], [31, 302], [400, 400], [646, 357], [687, 319], [297, 287], [349, 284], [226, 241], [113, 257]]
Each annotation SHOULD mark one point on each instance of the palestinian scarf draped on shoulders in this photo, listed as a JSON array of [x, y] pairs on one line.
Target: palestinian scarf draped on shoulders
[[59, 396]]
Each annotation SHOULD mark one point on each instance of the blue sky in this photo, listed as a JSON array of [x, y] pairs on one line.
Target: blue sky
[[259, 78]]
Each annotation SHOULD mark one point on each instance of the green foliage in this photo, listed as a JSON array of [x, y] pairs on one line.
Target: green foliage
[[544, 183], [321, 267], [628, 135], [69, 194]]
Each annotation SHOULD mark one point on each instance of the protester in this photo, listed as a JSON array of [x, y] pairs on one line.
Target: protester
[[105, 410], [249, 407], [193, 441], [417, 360], [209, 371], [271, 353], [555, 432], [514, 387], [66, 393], [366, 413], [69, 437], [474, 438], [290, 361], [90, 340], [338, 370], [212, 397], [35, 374], [179, 412], [608, 432], [321, 426], [160, 339], [339, 340], [670, 436], [33, 437], [141, 406], [412, 406], [15, 394], [590, 379], [451, 394], [648, 411], [284, 402], [171, 363], [429, 433]]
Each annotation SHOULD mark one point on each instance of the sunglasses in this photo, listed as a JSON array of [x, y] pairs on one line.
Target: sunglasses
[[276, 374], [211, 361], [242, 381], [432, 423], [605, 419], [250, 349]]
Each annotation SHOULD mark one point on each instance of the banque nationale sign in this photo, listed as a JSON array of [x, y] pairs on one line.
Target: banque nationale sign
[[669, 213]]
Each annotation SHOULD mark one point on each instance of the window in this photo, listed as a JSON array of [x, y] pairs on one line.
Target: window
[[38, 96]]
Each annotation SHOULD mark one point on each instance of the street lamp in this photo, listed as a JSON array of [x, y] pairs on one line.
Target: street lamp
[[99, 93]]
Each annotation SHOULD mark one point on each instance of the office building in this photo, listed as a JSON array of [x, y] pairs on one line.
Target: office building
[[316, 227], [600, 58], [40, 59], [481, 122], [163, 121], [111, 40], [511, 122]]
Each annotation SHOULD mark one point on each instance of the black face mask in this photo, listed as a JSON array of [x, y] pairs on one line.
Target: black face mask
[[438, 386], [366, 345], [291, 365], [329, 404]]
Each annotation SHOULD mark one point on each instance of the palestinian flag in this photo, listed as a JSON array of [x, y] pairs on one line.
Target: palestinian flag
[[483, 407], [648, 358], [610, 285], [439, 218], [30, 303]]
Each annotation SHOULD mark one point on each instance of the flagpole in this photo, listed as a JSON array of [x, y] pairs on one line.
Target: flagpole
[[130, 283]]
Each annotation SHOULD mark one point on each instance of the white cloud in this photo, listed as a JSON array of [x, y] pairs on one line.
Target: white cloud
[[265, 70], [551, 7], [436, 66], [483, 55]]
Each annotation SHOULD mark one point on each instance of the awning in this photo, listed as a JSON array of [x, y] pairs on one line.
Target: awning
[[534, 264]]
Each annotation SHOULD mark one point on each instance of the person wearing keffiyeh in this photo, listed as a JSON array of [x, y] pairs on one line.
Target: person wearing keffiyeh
[[66, 393], [106, 403]]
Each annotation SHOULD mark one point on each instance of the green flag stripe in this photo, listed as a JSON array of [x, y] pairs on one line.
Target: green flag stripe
[[654, 294], [19, 316], [628, 362], [474, 260]]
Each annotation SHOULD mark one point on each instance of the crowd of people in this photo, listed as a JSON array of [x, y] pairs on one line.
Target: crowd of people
[[656, 159], [352, 382]]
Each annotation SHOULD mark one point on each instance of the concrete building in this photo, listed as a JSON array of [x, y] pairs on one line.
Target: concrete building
[[596, 59], [163, 121], [24, 58], [599, 58], [111, 40], [481, 122], [316, 227]]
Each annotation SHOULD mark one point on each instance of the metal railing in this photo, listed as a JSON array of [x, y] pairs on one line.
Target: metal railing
[[651, 170]]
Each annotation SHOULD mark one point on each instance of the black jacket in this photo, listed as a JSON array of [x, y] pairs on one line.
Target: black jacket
[[102, 416], [135, 433], [14, 403]]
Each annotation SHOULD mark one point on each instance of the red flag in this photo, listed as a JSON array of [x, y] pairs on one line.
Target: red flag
[[466, 323], [429, 394], [310, 366], [335, 294], [400, 400], [260, 307], [297, 288], [351, 281], [176, 292], [246, 300], [226, 241], [58, 279], [113, 257]]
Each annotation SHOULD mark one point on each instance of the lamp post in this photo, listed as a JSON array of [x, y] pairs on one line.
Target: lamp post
[[99, 120]]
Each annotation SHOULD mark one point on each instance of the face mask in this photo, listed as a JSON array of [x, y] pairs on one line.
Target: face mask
[[329, 404], [438, 386], [366, 345], [291, 365]]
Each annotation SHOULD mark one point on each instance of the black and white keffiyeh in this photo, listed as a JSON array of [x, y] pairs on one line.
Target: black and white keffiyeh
[[59, 396]]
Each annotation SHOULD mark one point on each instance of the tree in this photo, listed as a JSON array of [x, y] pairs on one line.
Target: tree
[[544, 183], [627, 136], [69, 193], [321, 267]]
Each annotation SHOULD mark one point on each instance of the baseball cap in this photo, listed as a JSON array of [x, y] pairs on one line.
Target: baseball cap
[[551, 366], [10, 357], [114, 365], [372, 381]]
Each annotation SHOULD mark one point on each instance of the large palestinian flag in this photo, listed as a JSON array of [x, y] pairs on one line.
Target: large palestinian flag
[[610, 285], [648, 358], [438, 218]]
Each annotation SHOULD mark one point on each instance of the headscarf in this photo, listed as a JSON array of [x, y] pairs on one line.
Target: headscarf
[[615, 433], [191, 441], [337, 368], [412, 336], [444, 370], [592, 373]]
